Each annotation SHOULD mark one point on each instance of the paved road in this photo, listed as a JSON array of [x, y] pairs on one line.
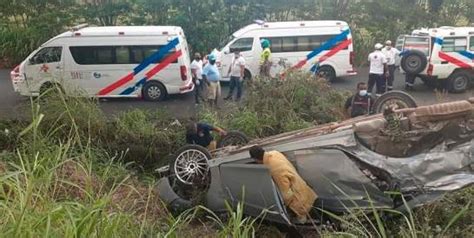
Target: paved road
[[12, 105]]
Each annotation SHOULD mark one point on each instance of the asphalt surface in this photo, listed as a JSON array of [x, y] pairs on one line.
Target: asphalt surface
[[13, 106]]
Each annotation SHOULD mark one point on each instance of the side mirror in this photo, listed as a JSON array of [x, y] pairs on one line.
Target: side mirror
[[30, 61], [226, 51]]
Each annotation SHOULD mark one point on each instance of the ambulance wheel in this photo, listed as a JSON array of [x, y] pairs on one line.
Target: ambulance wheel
[[233, 138], [50, 88], [458, 81], [154, 91], [247, 75], [414, 62], [327, 72], [396, 99]]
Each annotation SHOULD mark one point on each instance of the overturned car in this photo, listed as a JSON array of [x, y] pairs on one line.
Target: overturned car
[[419, 153]]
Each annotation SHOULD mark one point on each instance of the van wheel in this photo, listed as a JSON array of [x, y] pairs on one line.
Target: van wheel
[[49, 89], [414, 62], [247, 75], [327, 72], [458, 81], [154, 91]]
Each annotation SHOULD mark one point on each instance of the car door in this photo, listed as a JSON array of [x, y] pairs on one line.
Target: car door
[[44, 66], [252, 184]]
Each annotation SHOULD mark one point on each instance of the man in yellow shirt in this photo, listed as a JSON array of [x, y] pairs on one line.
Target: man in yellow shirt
[[265, 63], [297, 195]]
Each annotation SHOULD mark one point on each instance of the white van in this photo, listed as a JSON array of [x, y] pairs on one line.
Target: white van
[[121, 61], [445, 53], [293, 44]]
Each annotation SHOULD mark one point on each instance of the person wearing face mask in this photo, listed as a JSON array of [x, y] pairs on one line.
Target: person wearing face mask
[[236, 72], [360, 103], [212, 77], [391, 54], [196, 70]]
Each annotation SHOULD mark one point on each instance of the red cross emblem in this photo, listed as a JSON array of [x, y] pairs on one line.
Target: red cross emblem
[[44, 68]]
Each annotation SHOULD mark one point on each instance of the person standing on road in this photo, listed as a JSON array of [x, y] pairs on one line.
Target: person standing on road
[[212, 77], [409, 81], [360, 103], [391, 54], [236, 72], [378, 65], [196, 70], [265, 57]]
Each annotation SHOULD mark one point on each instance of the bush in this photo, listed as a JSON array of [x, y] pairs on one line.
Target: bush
[[275, 106]]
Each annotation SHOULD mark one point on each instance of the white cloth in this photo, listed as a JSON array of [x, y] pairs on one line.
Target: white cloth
[[236, 66], [391, 55], [377, 60], [197, 65]]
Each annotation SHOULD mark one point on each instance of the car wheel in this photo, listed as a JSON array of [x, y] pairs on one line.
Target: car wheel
[[327, 72], [247, 75], [233, 138], [397, 99], [459, 81], [154, 91], [414, 62], [189, 171]]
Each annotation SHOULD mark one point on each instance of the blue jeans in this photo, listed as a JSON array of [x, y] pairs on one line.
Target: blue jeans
[[235, 82]]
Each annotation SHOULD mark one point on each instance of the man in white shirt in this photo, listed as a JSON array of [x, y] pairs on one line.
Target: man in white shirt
[[236, 72], [378, 65], [391, 53], [196, 71]]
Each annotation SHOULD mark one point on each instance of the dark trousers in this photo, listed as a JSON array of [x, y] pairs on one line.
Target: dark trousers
[[198, 88], [410, 79], [235, 83], [391, 77], [377, 80]]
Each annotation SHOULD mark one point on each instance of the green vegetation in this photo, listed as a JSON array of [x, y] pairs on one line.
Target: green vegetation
[[24, 24], [72, 172]]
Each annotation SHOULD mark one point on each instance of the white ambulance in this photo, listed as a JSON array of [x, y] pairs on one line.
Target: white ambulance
[[120, 61], [297, 44], [445, 53]]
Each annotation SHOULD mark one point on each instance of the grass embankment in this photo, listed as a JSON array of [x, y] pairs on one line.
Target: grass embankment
[[71, 173]]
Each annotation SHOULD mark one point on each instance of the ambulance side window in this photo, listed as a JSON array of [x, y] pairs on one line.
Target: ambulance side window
[[471, 44], [454, 44], [244, 44], [47, 55]]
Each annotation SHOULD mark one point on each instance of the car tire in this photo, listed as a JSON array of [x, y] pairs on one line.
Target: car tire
[[414, 62], [189, 165], [328, 73], [458, 81], [154, 91], [247, 75], [402, 99], [233, 138]]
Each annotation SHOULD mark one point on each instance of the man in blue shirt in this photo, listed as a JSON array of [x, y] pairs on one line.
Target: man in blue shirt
[[212, 76], [200, 134]]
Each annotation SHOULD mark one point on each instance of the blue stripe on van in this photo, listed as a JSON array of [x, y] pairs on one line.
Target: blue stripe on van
[[467, 54], [156, 56], [329, 44], [438, 41]]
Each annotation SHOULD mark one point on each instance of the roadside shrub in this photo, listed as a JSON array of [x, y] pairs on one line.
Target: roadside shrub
[[275, 106]]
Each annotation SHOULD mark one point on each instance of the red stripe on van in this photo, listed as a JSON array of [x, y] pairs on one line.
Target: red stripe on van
[[336, 49], [453, 60], [166, 61], [112, 87], [300, 64]]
